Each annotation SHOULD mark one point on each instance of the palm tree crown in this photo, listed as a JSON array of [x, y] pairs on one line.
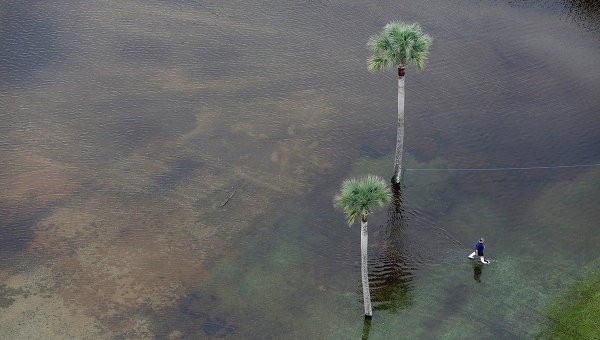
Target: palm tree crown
[[359, 196], [398, 45]]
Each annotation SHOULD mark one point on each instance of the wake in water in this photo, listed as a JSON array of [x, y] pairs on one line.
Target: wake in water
[[410, 241]]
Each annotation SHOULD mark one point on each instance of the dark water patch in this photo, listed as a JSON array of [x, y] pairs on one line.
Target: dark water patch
[[181, 170], [144, 50], [197, 316], [223, 61], [121, 125], [134, 121], [583, 12], [126, 133], [197, 307], [18, 227], [27, 42], [499, 189], [373, 150], [587, 11]]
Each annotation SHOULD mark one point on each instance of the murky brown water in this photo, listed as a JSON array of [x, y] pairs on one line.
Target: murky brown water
[[167, 169]]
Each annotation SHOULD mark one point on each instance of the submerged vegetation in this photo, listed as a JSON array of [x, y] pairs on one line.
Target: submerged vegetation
[[576, 315]]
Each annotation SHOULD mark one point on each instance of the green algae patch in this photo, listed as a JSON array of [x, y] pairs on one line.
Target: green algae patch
[[576, 314]]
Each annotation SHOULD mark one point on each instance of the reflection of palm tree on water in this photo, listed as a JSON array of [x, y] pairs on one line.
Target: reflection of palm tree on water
[[392, 271], [366, 329]]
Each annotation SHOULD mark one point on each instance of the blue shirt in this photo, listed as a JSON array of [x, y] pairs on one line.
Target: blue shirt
[[479, 248]]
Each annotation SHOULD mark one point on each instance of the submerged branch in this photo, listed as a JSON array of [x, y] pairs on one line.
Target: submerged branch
[[228, 198]]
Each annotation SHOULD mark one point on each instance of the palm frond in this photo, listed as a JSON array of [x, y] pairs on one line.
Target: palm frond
[[378, 63], [358, 197], [380, 43], [420, 60], [399, 44]]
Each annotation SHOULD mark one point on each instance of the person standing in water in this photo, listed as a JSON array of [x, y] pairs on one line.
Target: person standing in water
[[479, 251]]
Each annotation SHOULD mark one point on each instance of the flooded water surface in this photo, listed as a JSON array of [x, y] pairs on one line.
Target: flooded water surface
[[167, 168]]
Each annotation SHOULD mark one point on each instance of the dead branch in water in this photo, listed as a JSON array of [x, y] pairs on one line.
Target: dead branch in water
[[228, 198]]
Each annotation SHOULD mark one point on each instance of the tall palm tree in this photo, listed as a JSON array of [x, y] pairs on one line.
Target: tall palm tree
[[397, 46], [358, 197]]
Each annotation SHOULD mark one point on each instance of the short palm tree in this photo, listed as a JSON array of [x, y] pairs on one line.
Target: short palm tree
[[396, 47], [358, 197]]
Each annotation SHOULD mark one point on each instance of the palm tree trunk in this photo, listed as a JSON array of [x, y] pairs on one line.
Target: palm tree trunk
[[400, 132], [364, 243]]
